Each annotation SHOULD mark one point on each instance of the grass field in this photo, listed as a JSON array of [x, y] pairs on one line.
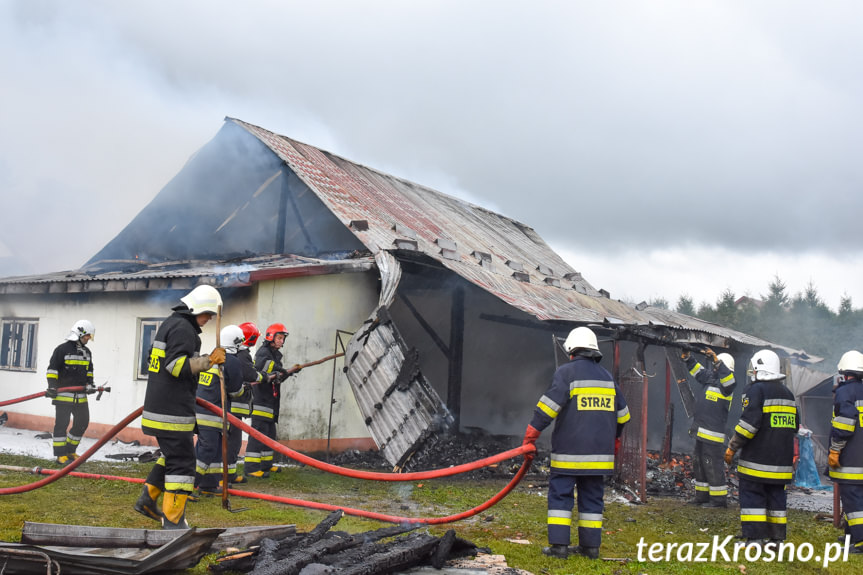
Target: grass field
[[502, 529]]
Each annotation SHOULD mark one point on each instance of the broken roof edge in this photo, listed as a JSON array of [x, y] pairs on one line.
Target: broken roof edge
[[715, 335], [184, 274]]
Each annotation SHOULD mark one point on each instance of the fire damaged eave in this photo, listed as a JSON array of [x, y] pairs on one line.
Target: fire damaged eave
[[138, 276]]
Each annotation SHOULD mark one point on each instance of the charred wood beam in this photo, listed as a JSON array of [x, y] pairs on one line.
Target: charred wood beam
[[425, 325], [399, 554], [332, 544], [553, 326], [442, 551], [456, 355]]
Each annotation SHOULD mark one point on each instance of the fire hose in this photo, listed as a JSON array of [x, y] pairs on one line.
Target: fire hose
[[526, 450], [76, 388]]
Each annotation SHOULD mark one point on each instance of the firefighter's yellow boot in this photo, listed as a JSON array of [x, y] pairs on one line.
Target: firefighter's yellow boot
[[146, 503], [174, 508]]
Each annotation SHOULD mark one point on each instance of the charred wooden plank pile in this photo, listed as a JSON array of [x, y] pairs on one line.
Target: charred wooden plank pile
[[322, 550]]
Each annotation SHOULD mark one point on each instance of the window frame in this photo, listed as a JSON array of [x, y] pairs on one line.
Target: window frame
[[143, 348], [29, 342]]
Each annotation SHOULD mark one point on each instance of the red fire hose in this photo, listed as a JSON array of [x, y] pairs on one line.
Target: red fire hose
[[42, 394], [84, 456], [373, 475], [526, 450]]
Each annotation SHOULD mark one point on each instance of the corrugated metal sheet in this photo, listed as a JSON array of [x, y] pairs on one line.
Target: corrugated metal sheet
[[142, 276], [399, 405], [496, 253]]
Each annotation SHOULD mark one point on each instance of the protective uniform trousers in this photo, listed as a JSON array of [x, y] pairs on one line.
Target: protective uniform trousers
[[590, 507], [708, 466], [175, 470], [235, 443], [259, 457], [64, 442], [208, 454], [763, 512], [852, 504]]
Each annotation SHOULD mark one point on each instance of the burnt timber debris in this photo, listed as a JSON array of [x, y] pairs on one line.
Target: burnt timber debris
[[345, 554], [267, 550]]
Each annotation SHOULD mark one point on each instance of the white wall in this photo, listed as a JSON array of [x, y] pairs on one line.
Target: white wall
[[313, 308]]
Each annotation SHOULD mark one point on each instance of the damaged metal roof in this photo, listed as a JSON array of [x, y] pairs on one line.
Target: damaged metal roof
[[499, 254], [138, 275]]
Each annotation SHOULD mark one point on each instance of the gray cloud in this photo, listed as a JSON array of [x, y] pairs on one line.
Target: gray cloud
[[602, 125]]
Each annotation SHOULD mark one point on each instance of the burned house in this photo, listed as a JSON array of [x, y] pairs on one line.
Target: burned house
[[449, 314]]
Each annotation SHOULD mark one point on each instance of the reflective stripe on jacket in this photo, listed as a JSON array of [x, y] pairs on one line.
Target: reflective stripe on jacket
[[589, 413], [847, 432], [71, 365], [714, 402], [766, 430], [169, 403]]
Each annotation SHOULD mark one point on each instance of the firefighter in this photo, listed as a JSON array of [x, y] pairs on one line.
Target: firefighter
[[208, 449], [71, 365], [765, 438], [708, 426], [241, 407], [590, 412], [265, 401], [169, 405], [845, 459]]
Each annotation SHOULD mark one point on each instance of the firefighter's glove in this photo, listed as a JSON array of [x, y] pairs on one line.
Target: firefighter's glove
[[217, 356], [531, 434], [684, 355], [833, 459], [247, 390], [283, 375], [729, 456], [297, 368], [51, 392], [617, 443], [711, 355]]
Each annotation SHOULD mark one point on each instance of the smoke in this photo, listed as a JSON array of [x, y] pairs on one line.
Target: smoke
[[601, 126]]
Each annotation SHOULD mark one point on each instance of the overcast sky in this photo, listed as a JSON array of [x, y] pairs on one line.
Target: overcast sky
[[663, 147]]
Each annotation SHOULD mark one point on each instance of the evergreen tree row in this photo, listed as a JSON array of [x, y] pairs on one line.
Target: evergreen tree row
[[802, 321]]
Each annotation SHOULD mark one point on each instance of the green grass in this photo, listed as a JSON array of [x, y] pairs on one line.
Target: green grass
[[520, 516]]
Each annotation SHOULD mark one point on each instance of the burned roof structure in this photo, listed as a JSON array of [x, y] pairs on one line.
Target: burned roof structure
[[471, 301]]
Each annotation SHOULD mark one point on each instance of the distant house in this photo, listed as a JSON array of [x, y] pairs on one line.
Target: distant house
[[750, 301], [449, 314]]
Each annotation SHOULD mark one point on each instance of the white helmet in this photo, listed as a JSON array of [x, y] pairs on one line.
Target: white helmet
[[764, 366], [231, 337], [582, 338], [203, 299], [851, 361], [727, 360], [81, 328]]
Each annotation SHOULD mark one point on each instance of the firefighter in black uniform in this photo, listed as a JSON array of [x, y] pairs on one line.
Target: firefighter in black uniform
[[71, 365], [241, 407], [589, 412], [208, 449], [846, 444], [708, 426], [169, 405], [765, 437], [265, 402]]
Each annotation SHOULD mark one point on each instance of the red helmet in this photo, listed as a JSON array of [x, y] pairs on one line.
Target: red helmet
[[274, 329], [251, 333]]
